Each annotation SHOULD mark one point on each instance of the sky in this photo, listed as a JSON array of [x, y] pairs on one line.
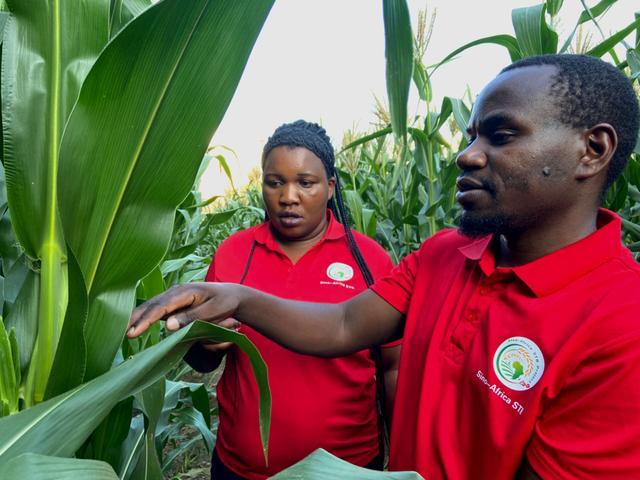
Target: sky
[[323, 61]]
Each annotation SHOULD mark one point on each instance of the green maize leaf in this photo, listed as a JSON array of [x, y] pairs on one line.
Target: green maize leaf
[[461, 115], [399, 66], [321, 465], [176, 60], [151, 285], [225, 167], [70, 361], [532, 32], [554, 6], [607, 45], [422, 81], [633, 60], [193, 417], [595, 11], [41, 467], [506, 41], [179, 450], [48, 46], [365, 139], [446, 109], [587, 15], [23, 314], [45, 57], [15, 353], [123, 11], [59, 426], [150, 401], [107, 439], [8, 381], [131, 448]]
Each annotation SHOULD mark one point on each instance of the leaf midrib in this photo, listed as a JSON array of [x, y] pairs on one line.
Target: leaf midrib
[[94, 268]]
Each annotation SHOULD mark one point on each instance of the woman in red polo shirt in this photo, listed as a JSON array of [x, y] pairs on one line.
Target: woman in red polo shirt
[[301, 252]]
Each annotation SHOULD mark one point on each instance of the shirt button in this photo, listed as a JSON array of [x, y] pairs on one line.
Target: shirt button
[[483, 290]]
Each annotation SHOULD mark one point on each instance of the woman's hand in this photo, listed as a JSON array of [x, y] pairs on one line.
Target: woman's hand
[[183, 304]]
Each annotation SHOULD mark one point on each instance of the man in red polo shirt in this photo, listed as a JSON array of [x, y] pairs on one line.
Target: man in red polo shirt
[[521, 353]]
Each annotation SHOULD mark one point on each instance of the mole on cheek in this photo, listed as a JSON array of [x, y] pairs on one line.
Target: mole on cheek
[[546, 171]]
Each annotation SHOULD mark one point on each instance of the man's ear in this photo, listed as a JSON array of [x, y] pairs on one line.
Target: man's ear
[[601, 142]]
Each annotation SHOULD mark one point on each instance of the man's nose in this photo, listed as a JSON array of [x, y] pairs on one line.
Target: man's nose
[[472, 157]]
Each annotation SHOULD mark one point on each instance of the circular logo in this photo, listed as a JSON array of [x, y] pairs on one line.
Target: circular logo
[[518, 363], [340, 271]]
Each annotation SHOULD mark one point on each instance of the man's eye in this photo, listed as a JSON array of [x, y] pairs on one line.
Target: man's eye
[[500, 137], [305, 183], [273, 183]]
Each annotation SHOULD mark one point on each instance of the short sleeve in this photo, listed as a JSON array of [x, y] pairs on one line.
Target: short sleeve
[[211, 272], [591, 428], [396, 288]]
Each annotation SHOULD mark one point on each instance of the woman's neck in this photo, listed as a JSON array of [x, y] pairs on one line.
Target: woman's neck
[[296, 248]]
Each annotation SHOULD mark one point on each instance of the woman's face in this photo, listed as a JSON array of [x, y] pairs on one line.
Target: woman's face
[[296, 190]]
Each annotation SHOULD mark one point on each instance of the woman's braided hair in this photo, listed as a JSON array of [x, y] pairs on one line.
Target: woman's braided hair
[[315, 139]]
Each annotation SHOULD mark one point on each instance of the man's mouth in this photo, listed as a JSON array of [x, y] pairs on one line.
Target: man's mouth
[[465, 184]]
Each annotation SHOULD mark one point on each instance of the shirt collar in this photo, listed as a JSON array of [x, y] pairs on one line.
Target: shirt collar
[[552, 272], [264, 234]]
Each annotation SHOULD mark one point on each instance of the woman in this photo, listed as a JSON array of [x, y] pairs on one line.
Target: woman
[[301, 252]]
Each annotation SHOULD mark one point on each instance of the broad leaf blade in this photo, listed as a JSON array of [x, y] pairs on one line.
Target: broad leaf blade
[[321, 465], [41, 467], [176, 60], [48, 47], [533, 34], [399, 54]]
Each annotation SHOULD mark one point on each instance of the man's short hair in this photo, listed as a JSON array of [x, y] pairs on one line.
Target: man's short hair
[[589, 91]]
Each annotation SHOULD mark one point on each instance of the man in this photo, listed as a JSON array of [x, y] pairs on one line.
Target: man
[[521, 353]]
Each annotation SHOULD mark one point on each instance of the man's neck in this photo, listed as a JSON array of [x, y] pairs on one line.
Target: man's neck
[[517, 249]]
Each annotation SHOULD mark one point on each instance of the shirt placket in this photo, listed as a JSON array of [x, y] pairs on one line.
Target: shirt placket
[[476, 310]]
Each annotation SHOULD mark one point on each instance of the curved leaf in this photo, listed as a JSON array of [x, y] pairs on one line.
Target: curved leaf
[[41, 467], [59, 426], [321, 465], [506, 41], [532, 32], [136, 137], [602, 48]]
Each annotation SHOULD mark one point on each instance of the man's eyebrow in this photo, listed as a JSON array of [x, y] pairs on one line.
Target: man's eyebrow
[[492, 122]]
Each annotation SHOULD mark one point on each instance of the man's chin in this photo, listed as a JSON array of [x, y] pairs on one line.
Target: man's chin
[[475, 225]]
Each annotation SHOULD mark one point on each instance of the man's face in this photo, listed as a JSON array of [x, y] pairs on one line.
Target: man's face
[[518, 170]]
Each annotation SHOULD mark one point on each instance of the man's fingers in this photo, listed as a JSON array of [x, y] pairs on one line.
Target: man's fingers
[[206, 312], [158, 308]]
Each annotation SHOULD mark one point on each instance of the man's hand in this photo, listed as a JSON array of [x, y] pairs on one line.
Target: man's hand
[[183, 304]]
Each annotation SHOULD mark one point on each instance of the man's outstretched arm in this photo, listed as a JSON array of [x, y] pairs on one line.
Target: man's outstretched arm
[[326, 330]]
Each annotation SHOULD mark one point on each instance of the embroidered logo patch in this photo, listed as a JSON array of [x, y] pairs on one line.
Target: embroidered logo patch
[[518, 363], [340, 271]]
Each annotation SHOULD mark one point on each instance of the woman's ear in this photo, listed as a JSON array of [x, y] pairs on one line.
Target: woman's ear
[[601, 142], [332, 187]]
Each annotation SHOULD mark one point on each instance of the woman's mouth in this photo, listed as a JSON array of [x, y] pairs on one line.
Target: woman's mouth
[[288, 219]]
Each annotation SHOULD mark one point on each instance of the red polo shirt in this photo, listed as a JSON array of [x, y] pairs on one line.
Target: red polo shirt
[[540, 360], [328, 403]]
